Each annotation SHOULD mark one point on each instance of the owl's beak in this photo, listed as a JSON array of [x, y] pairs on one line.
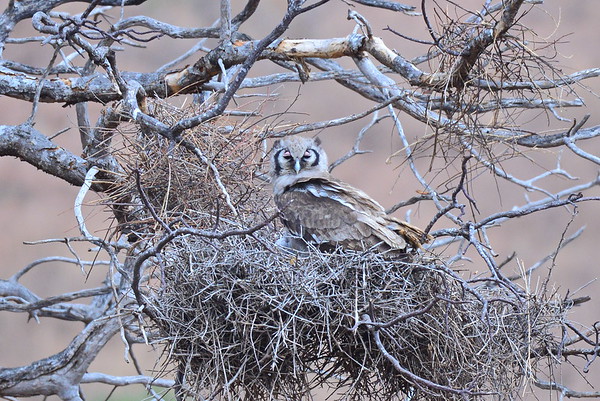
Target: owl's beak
[[297, 165]]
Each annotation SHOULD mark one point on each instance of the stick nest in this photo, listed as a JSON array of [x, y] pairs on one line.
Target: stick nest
[[243, 319]]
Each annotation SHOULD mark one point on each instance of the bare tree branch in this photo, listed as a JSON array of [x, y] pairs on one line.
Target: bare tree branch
[[30, 145], [565, 391], [389, 5], [93, 377], [66, 297], [61, 373]]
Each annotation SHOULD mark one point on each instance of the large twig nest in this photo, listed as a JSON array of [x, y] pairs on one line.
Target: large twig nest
[[247, 322], [244, 319]]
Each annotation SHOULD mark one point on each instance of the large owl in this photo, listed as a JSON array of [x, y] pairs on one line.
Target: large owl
[[328, 212]]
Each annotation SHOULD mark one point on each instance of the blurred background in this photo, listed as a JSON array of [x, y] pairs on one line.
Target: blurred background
[[35, 206]]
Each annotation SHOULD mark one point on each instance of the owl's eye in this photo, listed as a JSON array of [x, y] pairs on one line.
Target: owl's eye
[[287, 155], [307, 154]]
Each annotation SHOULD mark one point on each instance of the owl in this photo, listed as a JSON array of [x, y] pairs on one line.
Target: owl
[[327, 212]]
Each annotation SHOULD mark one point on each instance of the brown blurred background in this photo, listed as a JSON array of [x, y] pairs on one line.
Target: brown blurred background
[[36, 206]]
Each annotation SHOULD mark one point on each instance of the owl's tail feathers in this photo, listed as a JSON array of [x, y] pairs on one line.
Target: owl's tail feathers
[[413, 235]]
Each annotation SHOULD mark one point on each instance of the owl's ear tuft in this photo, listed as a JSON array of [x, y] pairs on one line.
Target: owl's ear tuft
[[277, 144], [317, 141]]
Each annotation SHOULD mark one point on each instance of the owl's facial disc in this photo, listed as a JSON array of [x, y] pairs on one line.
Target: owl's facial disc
[[309, 158]]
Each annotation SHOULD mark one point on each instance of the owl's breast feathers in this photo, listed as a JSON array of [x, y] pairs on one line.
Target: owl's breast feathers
[[326, 211]]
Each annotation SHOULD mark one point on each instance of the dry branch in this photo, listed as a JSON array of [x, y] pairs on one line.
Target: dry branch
[[61, 373], [30, 145]]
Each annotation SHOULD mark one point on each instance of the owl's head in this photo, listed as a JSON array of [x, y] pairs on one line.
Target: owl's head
[[294, 157]]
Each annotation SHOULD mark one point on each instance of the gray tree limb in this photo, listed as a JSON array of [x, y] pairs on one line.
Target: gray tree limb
[[31, 146], [61, 373]]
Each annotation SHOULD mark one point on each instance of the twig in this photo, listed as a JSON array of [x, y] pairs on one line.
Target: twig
[[147, 204], [66, 297], [170, 236], [331, 123], [541, 262], [405, 372], [87, 184], [94, 377], [63, 259], [225, 21], [397, 319], [356, 147], [198, 152], [389, 5], [293, 10], [529, 209], [454, 204], [565, 391]]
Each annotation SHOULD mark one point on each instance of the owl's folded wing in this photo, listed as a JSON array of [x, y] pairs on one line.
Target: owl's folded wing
[[323, 214], [413, 235], [320, 219], [363, 202]]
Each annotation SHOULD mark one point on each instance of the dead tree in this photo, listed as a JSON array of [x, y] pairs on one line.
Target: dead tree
[[192, 264]]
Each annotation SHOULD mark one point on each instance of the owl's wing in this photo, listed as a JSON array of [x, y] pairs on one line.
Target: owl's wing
[[413, 235], [363, 202], [325, 210], [320, 219]]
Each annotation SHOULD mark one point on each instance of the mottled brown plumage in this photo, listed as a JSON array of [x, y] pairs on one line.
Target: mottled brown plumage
[[328, 212]]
